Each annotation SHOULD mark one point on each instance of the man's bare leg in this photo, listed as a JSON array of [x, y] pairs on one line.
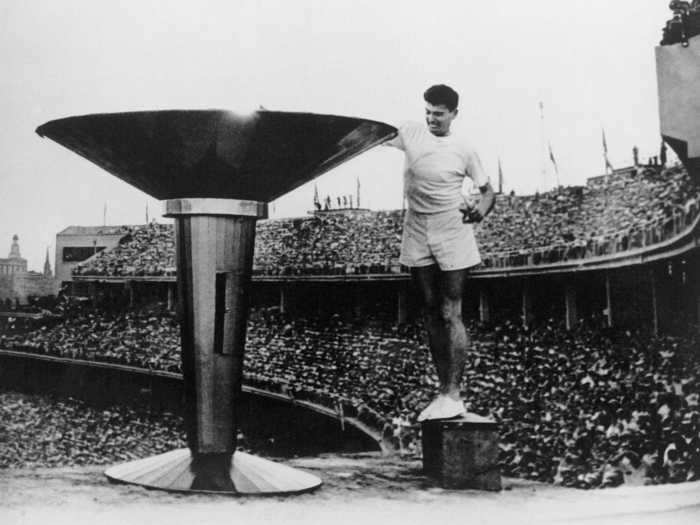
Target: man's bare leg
[[427, 279], [455, 351], [447, 337]]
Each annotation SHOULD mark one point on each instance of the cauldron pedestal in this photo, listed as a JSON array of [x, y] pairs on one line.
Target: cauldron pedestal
[[241, 474], [214, 240]]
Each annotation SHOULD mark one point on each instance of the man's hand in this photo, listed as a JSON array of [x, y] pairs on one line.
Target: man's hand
[[470, 213]]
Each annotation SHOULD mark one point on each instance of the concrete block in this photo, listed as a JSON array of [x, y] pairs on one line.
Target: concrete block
[[462, 453]]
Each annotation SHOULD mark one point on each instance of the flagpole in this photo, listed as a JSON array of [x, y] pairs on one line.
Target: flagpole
[[317, 200], [542, 153], [605, 155], [500, 176], [605, 152], [608, 165]]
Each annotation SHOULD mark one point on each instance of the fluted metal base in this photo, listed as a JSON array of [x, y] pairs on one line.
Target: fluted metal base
[[178, 471]]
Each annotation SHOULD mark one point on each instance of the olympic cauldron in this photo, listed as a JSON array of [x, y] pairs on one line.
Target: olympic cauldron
[[216, 171]]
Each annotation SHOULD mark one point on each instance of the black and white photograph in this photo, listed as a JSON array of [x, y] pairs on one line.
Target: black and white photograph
[[350, 261]]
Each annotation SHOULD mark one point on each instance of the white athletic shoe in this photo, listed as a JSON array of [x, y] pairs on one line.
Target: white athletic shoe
[[443, 407], [425, 413], [448, 408]]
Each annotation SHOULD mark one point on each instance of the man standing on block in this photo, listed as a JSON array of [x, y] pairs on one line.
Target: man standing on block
[[438, 243]]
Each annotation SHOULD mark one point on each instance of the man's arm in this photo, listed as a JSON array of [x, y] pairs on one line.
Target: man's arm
[[397, 139], [488, 200], [477, 212], [475, 171], [394, 140]]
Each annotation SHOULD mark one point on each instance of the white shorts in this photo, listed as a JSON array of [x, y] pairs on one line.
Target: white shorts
[[438, 238]]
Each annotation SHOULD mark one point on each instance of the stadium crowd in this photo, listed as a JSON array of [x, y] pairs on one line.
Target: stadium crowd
[[593, 407], [38, 431], [143, 337], [626, 210], [145, 250], [352, 241], [685, 23]]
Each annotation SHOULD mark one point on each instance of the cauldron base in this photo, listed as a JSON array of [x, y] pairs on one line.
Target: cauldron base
[[249, 475]]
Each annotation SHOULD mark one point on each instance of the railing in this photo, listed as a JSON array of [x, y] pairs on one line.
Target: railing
[[339, 406]]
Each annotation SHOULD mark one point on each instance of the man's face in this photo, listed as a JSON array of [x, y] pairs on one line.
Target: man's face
[[439, 119]]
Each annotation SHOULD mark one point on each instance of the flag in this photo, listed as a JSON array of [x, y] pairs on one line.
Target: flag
[[104, 215], [554, 161], [608, 166], [146, 213], [500, 176], [357, 191], [551, 157], [605, 144], [605, 155], [317, 201]]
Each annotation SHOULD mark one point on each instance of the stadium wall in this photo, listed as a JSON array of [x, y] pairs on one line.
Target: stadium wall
[[280, 424], [656, 294]]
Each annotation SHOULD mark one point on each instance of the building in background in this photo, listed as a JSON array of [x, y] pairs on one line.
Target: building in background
[[14, 263], [76, 244], [17, 284]]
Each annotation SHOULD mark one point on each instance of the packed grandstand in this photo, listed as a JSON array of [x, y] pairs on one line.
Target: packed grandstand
[[587, 408], [628, 210], [590, 407]]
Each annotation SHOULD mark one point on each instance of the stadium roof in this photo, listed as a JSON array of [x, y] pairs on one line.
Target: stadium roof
[[96, 230]]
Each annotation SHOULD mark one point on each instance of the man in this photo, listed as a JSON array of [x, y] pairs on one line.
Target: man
[[438, 243]]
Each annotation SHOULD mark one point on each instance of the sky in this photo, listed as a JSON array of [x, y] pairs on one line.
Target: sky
[[589, 62]]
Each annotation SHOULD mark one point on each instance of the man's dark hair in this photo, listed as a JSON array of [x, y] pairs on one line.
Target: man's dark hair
[[442, 95]]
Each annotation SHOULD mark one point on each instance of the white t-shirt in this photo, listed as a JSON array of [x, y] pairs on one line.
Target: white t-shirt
[[435, 168]]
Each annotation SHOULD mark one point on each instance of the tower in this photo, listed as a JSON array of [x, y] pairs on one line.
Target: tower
[[14, 249], [14, 263], [47, 265]]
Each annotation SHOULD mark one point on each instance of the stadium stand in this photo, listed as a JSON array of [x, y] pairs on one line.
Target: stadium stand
[[630, 209], [145, 250], [588, 407], [685, 23], [592, 407], [41, 432], [139, 337]]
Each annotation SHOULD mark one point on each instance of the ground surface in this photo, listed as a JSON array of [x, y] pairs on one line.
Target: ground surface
[[358, 490]]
